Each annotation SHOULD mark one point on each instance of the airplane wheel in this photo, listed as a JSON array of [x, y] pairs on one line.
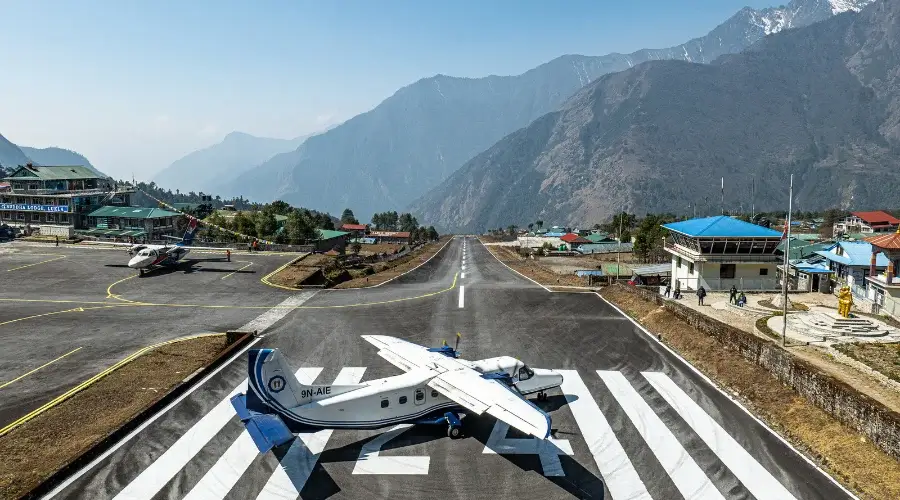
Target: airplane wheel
[[542, 396], [454, 432]]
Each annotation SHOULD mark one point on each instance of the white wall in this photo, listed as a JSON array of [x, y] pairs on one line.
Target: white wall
[[61, 231]]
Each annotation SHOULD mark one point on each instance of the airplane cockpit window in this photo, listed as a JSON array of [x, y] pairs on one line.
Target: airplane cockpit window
[[525, 373], [144, 253]]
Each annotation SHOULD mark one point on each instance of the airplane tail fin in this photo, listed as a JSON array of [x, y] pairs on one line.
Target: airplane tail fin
[[188, 238], [273, 385]]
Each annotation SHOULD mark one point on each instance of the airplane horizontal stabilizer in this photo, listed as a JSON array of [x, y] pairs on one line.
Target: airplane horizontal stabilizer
[[266, 429]]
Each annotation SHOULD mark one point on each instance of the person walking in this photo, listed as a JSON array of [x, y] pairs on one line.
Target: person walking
[[733, 295], [701, 293], [668, 289], [677, 294]]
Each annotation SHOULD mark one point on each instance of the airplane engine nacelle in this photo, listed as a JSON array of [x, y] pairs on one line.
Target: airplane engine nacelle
[[505, 364]]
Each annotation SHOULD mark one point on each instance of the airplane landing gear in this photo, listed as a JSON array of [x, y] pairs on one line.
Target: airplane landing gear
[[140, 272], [542, 396], [454, 425]]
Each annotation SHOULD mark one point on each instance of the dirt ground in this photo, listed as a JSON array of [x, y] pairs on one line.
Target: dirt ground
[[843, 452], [388, 248], [884, 358], [534, 269], [39, 447], [389, 270], [295, 273]]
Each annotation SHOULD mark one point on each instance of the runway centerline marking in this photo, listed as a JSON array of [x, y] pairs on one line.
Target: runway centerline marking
[[58, 257], [462, 296], [20, 377], [241, 269]]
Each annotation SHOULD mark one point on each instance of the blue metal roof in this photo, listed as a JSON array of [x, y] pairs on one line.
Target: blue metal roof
[[553, 235], [721, 226], [856, 253], [810, 267]]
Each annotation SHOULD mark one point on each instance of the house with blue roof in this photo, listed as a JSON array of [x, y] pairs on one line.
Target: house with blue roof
[[851, 261], [718, 252]]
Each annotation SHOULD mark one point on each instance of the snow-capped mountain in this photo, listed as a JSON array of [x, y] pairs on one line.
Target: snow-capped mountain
[[801, 13]]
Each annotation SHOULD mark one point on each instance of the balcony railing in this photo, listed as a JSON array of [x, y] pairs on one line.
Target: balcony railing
[[698, 256]]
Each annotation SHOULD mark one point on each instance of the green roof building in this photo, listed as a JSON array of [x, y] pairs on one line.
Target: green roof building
[[131, 222], [57, 199]]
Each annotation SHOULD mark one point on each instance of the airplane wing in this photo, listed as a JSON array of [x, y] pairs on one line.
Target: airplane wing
[[110, 243], [468, 388], [400, 353]]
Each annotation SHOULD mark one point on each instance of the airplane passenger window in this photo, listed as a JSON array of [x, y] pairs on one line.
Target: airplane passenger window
[[420, 395], [384, 403], [525, 373], [403, 400], [434, 393]]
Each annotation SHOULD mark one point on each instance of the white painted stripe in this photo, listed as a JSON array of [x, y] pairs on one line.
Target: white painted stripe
[[548, 450], [270, 317], [164, 468], [462, 296], [371, 463], [754, 476], [688, 477], [463, 267], [224, 474], [616, 468], [462, 276], [287, 481]]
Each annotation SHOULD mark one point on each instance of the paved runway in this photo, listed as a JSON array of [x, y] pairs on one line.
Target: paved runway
[[73, 307], [631, 421]]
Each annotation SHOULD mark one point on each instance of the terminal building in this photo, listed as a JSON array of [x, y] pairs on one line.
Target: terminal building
[[718, 252], [57, 199]]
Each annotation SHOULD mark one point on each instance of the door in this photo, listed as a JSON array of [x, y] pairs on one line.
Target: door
[[419, 396]]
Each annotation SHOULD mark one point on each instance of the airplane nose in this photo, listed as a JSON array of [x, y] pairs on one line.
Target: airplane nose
[[555, 377]]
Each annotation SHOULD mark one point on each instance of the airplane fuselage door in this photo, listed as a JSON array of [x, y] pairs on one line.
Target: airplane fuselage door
[[419, 396]]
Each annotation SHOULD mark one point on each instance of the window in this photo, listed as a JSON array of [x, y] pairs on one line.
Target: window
[[525, 373], [763, 271], [726, 271], [434, 393], [21, 216], [691, 268], [679, 262], [64, 218], [51, 218], [403, 400], [420, 395], [385, 403], [35, 217]]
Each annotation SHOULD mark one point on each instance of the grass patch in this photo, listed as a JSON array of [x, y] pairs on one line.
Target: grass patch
[[762, 324], [533, 268], [795, 306], [35, 450], [384, 271], [881, 357], [840, 450]]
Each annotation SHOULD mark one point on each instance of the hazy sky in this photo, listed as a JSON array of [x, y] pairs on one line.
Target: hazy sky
[[135, 85]]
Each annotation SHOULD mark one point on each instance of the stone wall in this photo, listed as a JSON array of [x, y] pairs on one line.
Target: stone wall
[[840, 400]]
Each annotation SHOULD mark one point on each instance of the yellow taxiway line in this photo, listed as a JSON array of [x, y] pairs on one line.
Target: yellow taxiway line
[[20, 377], [239, 270], [265, 279], [56, 257], [75, 309], [87, 383]]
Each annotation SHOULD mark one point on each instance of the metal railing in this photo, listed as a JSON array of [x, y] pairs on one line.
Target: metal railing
[[724, 284]]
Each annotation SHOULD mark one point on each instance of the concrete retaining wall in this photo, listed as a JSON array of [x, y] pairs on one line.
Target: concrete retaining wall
[[838, 399]]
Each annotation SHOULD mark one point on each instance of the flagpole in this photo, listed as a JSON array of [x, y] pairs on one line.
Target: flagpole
[[786, 273]]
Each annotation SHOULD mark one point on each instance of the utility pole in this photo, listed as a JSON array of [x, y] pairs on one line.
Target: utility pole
[[619, 248], [723, 195], [785, 274]]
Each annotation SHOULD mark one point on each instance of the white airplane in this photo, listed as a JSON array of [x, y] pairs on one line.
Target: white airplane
[[146, 256], [437, 388]]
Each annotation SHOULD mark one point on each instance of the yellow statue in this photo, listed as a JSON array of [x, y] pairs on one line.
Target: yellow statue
[[845, 301]]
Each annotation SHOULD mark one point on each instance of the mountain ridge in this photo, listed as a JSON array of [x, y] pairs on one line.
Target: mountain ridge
[[390, 155], [826, 108]]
